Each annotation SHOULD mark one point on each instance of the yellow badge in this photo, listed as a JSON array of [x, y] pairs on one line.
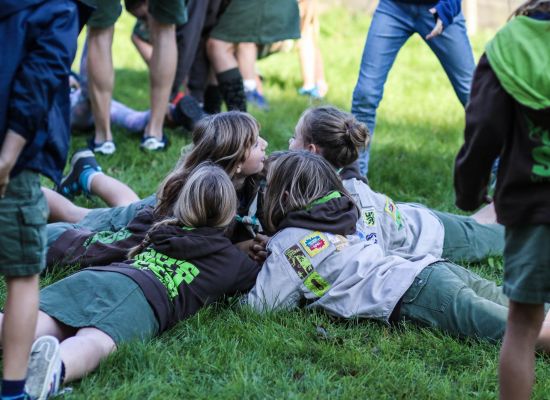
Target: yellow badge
[[314, 243]]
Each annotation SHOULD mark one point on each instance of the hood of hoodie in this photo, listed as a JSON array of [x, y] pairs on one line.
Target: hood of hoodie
[[337, 215], [352, 171], [186, 243], [520, 58]]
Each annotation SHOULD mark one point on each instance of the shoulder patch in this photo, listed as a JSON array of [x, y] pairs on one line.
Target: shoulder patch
[[314, 243], [298, 261], [394, 212], [369, 216]]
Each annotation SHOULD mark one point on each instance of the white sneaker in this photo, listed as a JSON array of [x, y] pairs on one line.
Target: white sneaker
[[107, 147], [44, 372], [152, 143]]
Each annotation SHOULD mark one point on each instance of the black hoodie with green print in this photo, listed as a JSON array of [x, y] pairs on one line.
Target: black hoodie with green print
[[184, 269]]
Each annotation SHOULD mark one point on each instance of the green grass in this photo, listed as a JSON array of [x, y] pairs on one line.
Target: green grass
[[228, 352]]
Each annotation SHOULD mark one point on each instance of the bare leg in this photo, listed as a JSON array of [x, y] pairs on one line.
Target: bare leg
[[307, 56], [83, 352], [144, 49], [62, 209], [486, 214], [247, 53], [112, 191], [162, 69], [517, 355], [18, 324], [101, 78], [221, 55]]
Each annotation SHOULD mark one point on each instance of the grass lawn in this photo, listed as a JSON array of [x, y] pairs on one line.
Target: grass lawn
[[227, 352]]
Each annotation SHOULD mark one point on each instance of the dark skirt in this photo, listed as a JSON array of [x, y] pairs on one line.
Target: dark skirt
[[108, 301], [258, 21]]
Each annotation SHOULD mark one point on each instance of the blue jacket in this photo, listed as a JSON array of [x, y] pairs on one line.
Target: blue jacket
[[37, 48]]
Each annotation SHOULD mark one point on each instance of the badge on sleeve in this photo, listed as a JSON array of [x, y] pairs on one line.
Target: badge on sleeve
[[314, 243], [298, 261], [394, 212], [369, 216]]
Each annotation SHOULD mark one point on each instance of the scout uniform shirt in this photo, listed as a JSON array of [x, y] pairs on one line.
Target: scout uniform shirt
[[319, 259]]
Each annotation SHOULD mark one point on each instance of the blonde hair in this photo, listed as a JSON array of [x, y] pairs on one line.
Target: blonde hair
[[225, 139], [338, 134], [312, 177], [532, 6], [208, 198]]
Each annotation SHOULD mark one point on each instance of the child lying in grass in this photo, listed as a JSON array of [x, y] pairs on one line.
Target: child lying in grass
[[320, 257], [185, 263]]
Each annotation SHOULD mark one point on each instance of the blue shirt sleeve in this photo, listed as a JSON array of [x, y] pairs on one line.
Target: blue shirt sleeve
[[448, 10]]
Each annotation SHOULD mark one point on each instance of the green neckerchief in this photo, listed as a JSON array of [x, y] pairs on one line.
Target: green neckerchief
[[520, 56], [324, 199]]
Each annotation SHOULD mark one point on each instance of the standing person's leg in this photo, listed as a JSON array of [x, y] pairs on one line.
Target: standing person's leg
[[225, 65], [23, 216], [101, 76], [247, 55], [453, 50], [391, 26], [162, 70], [517, 355], [527, 284]]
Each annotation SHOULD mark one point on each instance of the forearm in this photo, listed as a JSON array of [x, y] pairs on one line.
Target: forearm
[[11, 148]]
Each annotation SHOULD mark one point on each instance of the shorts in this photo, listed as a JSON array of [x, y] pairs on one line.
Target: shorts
[[258, 21], [164, 11], [527, 264], [108, 301], [23, 217]]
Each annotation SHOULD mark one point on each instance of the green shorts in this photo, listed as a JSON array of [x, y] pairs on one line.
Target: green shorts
[[258, 21], [451, 298], [102, 219], [164, 11], [23, 217], [108, 301], [527, 264], [467, 240]]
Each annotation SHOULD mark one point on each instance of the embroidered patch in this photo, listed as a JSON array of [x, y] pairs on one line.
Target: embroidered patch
[[299, 261], [394, 212], [317, 284], [339, 241], [371, 238], [314, 243], [369, 216]]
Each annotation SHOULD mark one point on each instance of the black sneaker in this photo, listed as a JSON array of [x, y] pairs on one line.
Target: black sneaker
[[71, 184]]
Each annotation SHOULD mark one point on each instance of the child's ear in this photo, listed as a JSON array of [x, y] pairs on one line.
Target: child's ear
[[239, 169], [312, 148]]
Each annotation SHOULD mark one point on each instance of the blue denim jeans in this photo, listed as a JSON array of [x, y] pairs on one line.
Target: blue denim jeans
[[392, 25]]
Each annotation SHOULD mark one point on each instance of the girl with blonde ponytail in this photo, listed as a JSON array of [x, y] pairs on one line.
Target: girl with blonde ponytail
[[185, 263]]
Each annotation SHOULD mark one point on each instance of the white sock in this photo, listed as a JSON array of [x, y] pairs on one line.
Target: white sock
[[249, 85]]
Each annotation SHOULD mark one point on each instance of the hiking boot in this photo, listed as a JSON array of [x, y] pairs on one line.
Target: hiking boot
[[44, 372], [83, 165]]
